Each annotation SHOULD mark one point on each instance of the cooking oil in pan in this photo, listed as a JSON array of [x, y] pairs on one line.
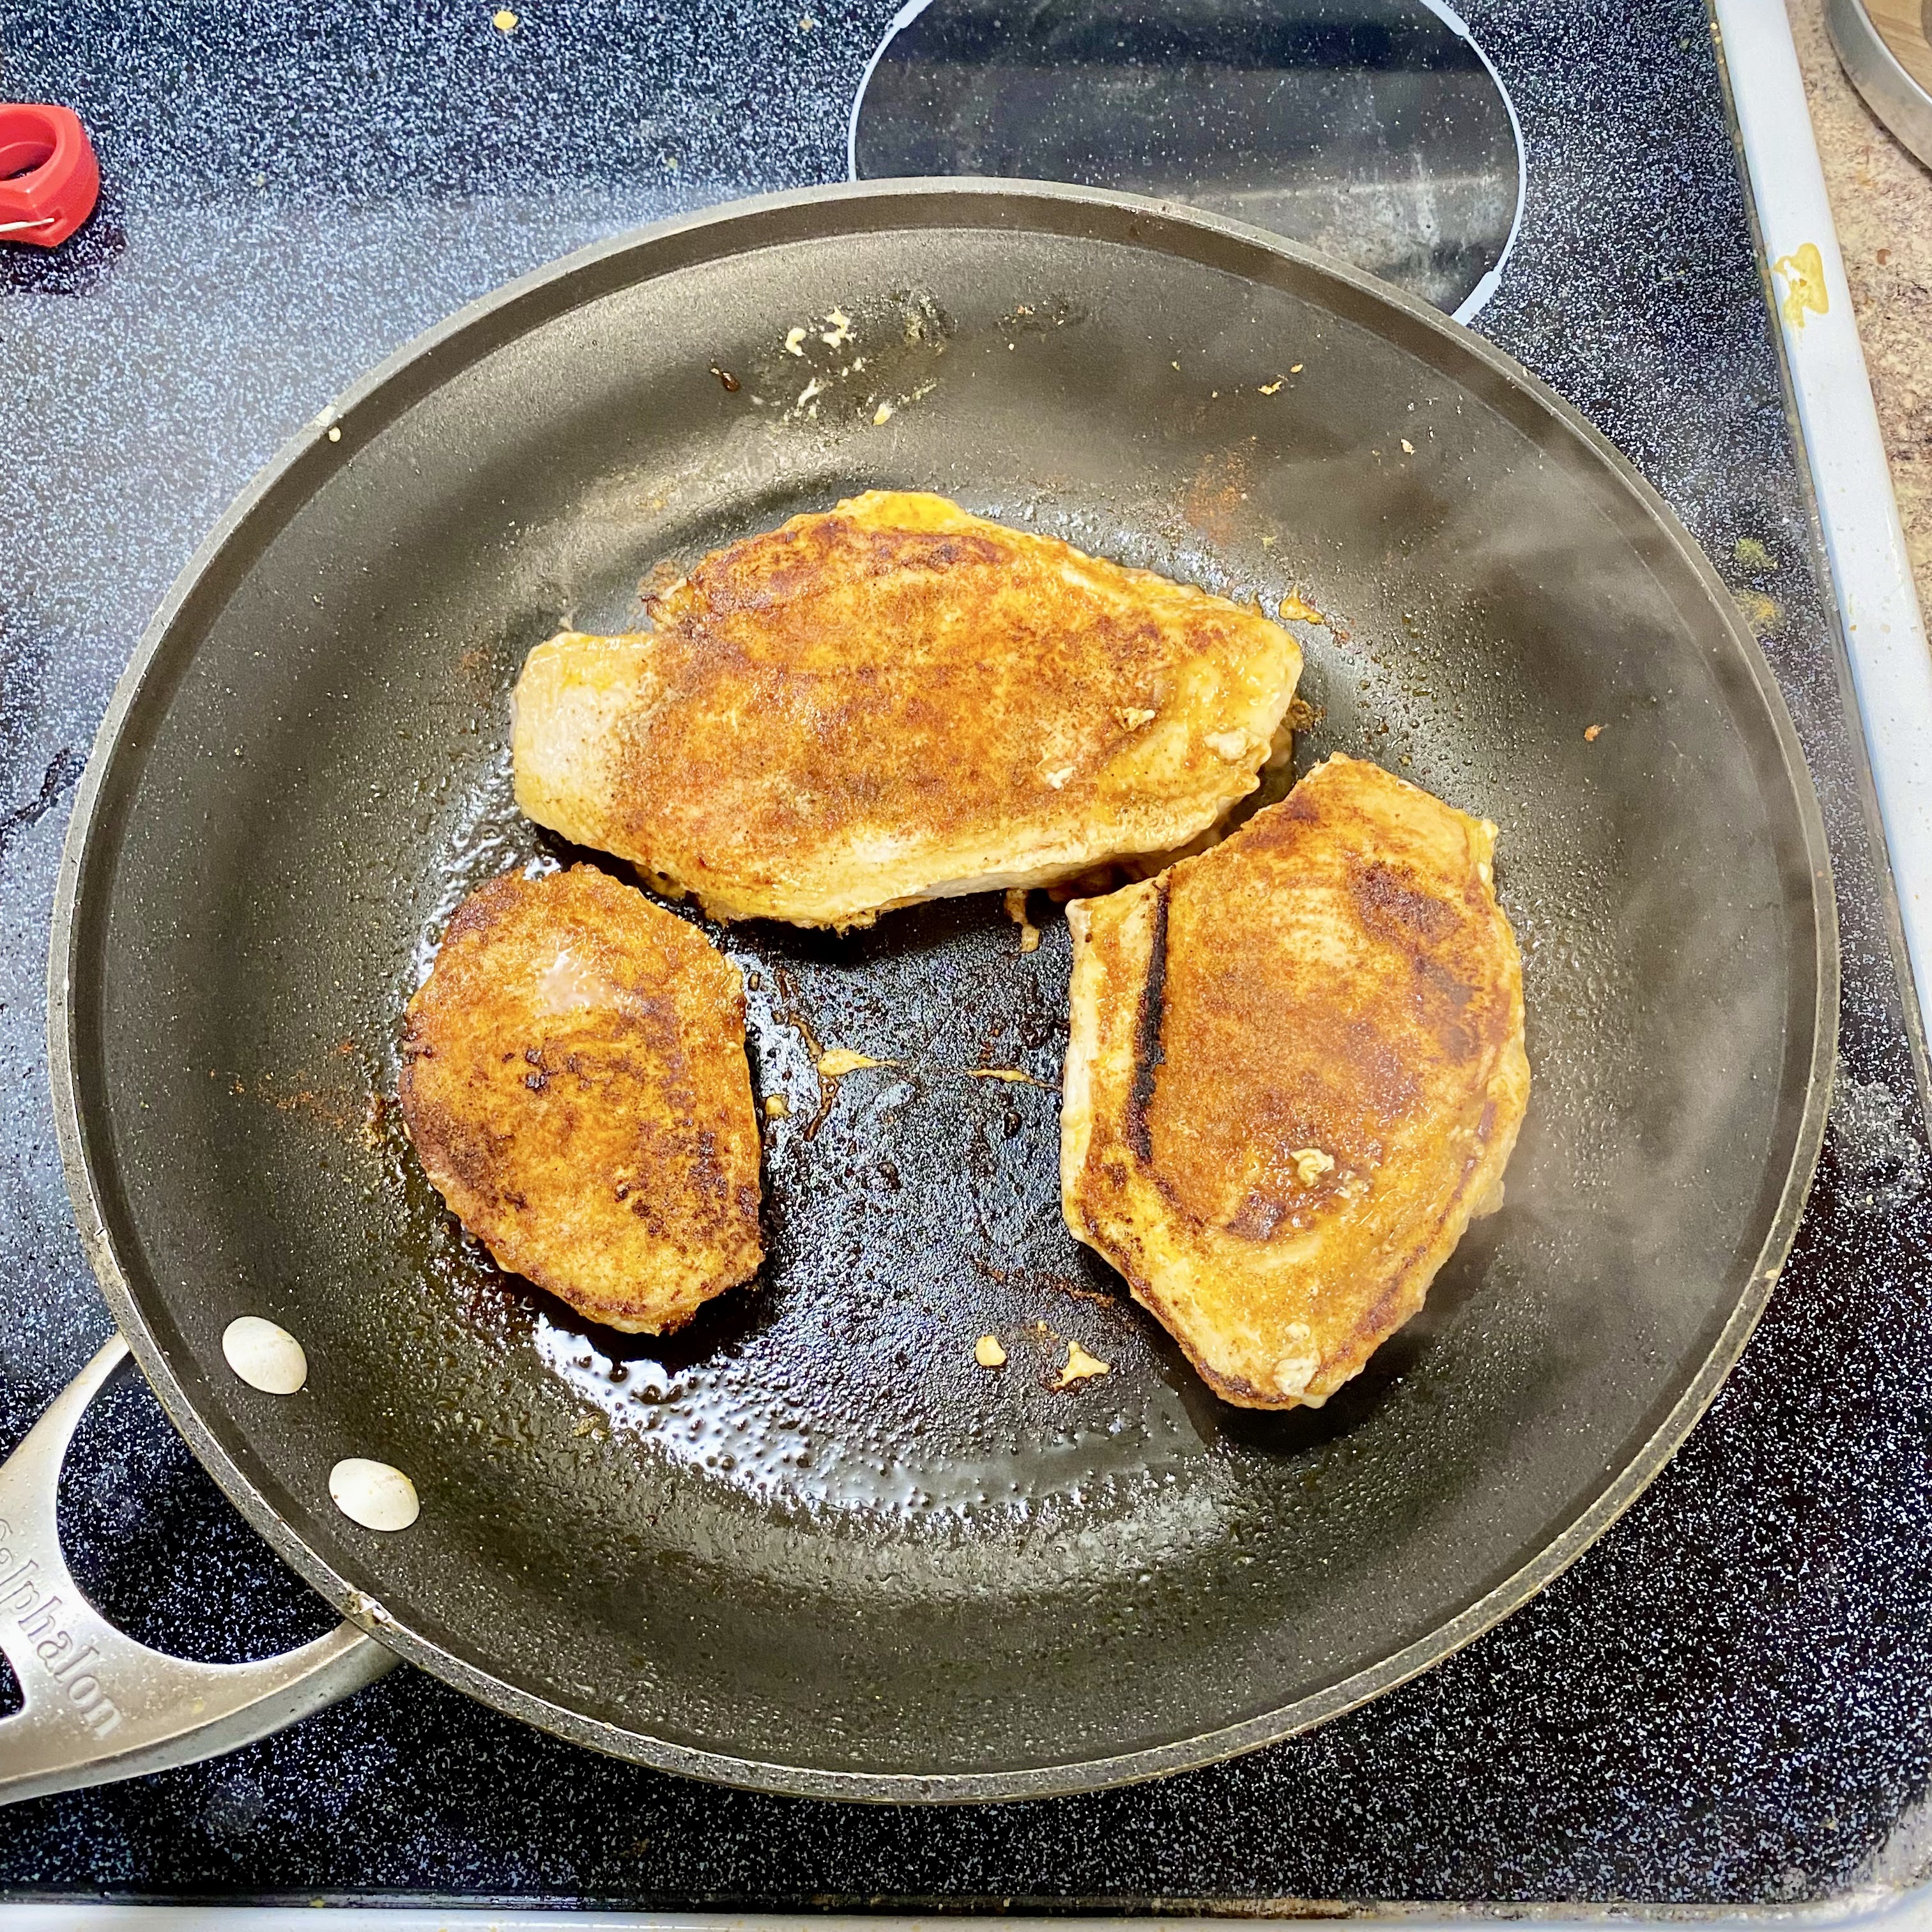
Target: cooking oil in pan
[[912, 1206]]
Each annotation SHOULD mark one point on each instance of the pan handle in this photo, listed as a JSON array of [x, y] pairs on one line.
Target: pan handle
[[97, 1706]]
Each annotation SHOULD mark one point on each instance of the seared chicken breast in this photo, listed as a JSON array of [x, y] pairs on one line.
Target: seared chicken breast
[[1296, 1071], [895, 701], [575, 1081]]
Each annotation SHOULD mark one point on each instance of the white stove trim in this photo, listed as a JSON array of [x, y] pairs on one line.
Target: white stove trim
[[1864, 543], [1859, 1912]]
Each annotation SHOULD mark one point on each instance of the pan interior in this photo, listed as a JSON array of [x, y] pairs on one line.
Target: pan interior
[[812, 1533]]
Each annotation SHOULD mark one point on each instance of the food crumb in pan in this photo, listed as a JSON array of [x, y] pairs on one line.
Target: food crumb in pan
[[1016, 911], [1591, 732], [795, 342], [377, 1495], [1408, 448], [840, 331], [335, 433], [264, 1355], [1271, 389], [1293, 1373], [1296, 368], [836, 1062], [1011, 1075], [1080, 1365], [776, 1107], [882, 414], [988, 1353], [1311, 1164], [1295, 609]]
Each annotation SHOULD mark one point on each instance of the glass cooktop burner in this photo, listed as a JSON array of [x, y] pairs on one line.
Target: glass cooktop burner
[[1375, 130]]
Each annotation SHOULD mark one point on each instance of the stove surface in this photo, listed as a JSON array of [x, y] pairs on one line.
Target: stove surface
[[1728, 1698]]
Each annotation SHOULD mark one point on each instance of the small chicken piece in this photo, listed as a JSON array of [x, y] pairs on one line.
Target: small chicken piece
[[1296, 1072], [896, 701], [575, 1080]]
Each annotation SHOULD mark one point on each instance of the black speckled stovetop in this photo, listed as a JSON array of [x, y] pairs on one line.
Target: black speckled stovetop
[[1730, 1698]]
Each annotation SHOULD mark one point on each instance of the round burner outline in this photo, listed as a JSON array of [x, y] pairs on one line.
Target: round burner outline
[[1471, 303]]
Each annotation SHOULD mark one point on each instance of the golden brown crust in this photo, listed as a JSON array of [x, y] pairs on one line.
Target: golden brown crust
[[575, 1081], [895, 700], [1296, 1070]]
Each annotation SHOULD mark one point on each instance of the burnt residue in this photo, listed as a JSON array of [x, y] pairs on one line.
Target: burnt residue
[[1148, 1053], [838, 363]]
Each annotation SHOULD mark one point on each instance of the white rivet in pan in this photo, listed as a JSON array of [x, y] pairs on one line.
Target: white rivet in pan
[[373, 1494], [266, 1356]]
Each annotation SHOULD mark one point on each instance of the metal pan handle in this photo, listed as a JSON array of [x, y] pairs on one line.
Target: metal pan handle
[[97, 1706]]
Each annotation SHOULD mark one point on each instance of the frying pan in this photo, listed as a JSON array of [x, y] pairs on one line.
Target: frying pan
[[809, 1545]]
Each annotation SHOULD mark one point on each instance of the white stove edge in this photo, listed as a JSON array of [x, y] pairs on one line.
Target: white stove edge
[[1891, 675], [1868, 1911], [1864, 543]]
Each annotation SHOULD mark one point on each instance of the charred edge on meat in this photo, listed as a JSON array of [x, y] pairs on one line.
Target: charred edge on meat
[[1147, 1051]]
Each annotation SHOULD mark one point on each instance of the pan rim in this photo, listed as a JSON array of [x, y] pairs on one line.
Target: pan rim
[[424, 356]]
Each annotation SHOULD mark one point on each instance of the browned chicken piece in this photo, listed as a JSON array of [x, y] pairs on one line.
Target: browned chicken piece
[[1296, 1071], [575, 1080], [896, 701]]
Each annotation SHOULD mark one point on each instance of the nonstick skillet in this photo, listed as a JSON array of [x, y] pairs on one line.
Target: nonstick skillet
[[811, 1546]]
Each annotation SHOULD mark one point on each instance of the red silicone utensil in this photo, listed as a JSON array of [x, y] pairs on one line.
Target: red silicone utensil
[[48, 179]]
